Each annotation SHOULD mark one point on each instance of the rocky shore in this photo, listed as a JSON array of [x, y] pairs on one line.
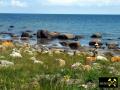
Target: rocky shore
[[57, 65], [61, 41]]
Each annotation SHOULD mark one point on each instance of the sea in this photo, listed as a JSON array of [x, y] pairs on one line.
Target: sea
[[86, 25]]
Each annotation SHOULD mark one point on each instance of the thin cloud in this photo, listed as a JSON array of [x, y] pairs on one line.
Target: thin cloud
[[1, 3], [84, 2], [18, 3]]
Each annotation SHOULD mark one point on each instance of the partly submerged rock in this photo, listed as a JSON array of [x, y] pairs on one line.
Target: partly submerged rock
[[66, 36], [96, 35], [94, 41], [43, 34], [54, 35], [11, 26], [72, 45], [112, 45], [25, 36]]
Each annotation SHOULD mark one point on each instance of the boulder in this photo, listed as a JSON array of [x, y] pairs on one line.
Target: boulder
[[43, 34], [64, 43], [11, 26], [94, 41], [29, 31], [72, 45], [66, 36], [96, 35], [112, 45], [54, 34], [115, 59], [119, 38], [25, 36], [78, 37]]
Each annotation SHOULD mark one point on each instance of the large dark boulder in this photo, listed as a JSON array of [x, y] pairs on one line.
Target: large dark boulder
[[72, 45], [66, 36], [43, 34], [94, 41], [112, 45], [25, 36], [96, 35]]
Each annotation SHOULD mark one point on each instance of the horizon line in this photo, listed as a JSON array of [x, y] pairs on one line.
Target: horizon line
[[64, 13]]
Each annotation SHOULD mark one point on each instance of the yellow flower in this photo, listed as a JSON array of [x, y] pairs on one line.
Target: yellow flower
[[66, 78], [7, 44]]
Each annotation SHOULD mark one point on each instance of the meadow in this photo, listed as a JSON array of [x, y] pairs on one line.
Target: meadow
[[35, 70]]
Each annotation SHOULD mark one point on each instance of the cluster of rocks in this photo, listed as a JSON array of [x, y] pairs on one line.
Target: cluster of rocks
[[65, 39], [73, 43], [97, 39]]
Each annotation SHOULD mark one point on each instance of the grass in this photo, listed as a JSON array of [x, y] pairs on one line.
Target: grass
[[25, 75]]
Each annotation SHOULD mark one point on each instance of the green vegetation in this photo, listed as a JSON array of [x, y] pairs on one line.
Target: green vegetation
[[27, 75]]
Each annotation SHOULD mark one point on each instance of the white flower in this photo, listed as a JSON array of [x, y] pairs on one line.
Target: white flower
[[84, 86], [15, 54], [76, 65], [61, 62], [70, 53], [33, 58], [6, 63], [87, 67], [45, 52], [29, 52], [96, 65], [36, 61]]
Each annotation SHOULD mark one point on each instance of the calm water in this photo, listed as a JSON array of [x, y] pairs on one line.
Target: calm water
[[108, 25]]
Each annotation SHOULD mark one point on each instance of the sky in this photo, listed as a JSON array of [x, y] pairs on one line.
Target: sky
[[60, 6]]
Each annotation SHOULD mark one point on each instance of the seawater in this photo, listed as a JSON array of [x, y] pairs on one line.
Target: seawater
[[86, 25]]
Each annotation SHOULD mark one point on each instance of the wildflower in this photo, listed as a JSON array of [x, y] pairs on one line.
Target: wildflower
[[35, 60], [84, 86], [61, 62], [66, 78], [2, 48], [6, 63], [96, 66], [76, 65], [15, 54], [7, 44], [70, 53], [29, 52], [87, 67]]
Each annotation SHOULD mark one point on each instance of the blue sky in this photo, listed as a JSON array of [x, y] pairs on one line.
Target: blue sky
[[60, 6]]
